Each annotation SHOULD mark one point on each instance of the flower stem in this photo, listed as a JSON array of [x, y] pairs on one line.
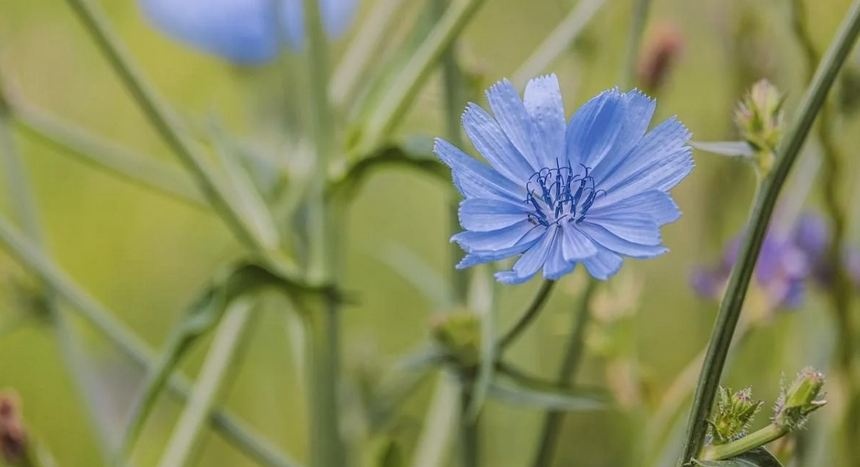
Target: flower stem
[[552, 420], [468, 428], [637, 28], [220, 364], [127, 341], [747, 443], [732, 302], [528, 316]]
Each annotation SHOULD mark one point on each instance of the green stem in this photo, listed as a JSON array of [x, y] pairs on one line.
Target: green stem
[[327, 448], [732, 302], [558, 41], [637, 28], [126, 341], [404, 88], [573, 355], [26, 211], [528, 316], [257, 232], [469, 433], [747, 443], [215, 375]]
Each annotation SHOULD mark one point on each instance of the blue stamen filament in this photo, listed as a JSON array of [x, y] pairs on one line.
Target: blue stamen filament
[[559, 194]]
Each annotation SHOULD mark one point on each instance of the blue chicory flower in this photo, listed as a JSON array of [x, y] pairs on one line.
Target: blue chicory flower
[[787, 261], [243, 31], [589, 191]]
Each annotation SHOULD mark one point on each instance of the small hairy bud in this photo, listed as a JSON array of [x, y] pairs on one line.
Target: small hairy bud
[[734, 412], [459, 332], [800, 399], [759, 119]]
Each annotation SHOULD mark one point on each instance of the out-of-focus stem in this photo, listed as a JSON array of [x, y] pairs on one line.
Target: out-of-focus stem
[[573, 355], [528, 316], [634, 39], [733, 300]]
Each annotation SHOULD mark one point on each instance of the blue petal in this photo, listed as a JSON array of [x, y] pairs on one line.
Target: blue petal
[[519, 233], [483, 215], [556, 265], [489, 139], [336, 17], [243, 31], [603, 265], [594, 128], [619, 245], [479, 257], [633, 227], [531, 261], [513, 118], [544, 104], [576, 245], [656, 204], [658, 162], [474, 179], [638, 111]]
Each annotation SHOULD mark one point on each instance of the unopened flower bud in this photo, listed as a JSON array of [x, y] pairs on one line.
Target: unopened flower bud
[[800, 399], [459, 333], [13, 435], [759, 119], [662, 49], [733, 415]]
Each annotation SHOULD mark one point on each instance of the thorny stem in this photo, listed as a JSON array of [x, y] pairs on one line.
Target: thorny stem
[[552, 420], [733, 300]]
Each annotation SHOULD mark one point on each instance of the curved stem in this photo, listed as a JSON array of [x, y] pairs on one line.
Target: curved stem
[[552, 420], [528, 316], [733, 300]]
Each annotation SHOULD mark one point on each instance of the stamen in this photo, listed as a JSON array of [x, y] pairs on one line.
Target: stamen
[[559, 193]]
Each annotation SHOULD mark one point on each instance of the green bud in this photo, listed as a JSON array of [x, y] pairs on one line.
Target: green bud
[[759, 119], [800, 399], [733, 415], [459, 332]]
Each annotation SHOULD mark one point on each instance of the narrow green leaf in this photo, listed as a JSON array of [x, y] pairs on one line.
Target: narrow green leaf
[[554, 398], [483, 303], [756, 458], [725, 148]]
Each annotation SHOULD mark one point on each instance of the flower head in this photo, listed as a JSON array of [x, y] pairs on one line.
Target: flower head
[[243, 31], [558, 193]]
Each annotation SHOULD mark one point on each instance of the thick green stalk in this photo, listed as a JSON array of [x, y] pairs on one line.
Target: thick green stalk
[[528, 316], [733, 300], [126, 341], [749, 442], [634, 40], [404, 88], [566, 372], [26, 211], [220, 364], [255, 228], [327, 449]]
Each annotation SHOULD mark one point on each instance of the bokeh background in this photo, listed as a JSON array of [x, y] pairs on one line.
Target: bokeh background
[[147, 256]]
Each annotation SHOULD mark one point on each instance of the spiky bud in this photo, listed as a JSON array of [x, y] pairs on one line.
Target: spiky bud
[[759, 119], [459, 333], [734, 412], [800, 399]]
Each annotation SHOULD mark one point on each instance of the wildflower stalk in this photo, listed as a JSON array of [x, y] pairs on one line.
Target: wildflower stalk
[[253, 227], [404, 88], [841, 292], [326, 446], [766, 197], [558, 41], [747, 443], [25, 209], [528, 316], [219, 366], [573, 355], [31, 258], [637, 28]]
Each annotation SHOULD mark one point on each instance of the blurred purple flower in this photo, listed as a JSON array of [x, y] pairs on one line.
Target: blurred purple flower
[[786, 261], [246, 32]]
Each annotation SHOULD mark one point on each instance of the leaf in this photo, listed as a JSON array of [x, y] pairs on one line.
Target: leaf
[[725, 148], [756, 458], [391, 455], [548, 398]]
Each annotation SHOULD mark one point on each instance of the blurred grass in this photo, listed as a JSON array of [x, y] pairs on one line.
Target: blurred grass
[[146, 256]]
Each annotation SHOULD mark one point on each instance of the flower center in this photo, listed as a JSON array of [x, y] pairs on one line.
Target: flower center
[[560, 194]]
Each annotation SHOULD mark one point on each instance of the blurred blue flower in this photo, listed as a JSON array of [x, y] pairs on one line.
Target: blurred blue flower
[[788, 259], [243, 31], [589, 191]]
